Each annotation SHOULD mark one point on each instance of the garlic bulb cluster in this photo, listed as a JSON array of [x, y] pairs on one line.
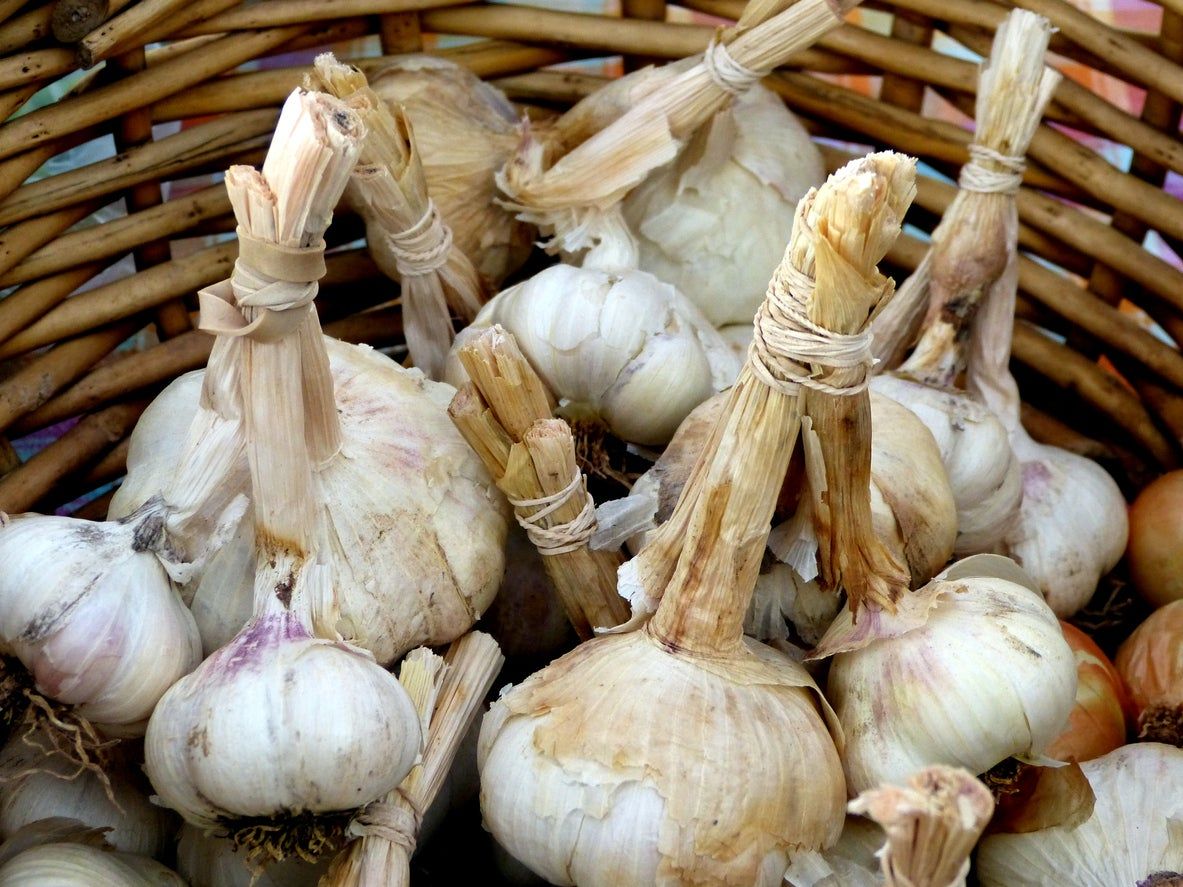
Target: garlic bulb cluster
[[714, 222], [205, 860], [1072, 525], [971, 670], [622, 346], [418, 528], [466, 130], [982, 469], [35, 785], [1132, 837], [90, 610], [64, 853]]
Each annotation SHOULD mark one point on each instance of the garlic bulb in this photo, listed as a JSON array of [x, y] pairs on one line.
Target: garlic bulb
[[986, 670], [622, 346], [418, 528], [35, 785], [466, 129], [715, 221], [981, 467], [79, 865], [205, 860], [280, 735], [89, 608], [1135, 832], [1072, 525]]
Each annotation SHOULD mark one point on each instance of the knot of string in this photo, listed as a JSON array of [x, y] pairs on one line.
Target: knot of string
[[725, 72], [786, 342], [396, 823], [424, 247], [560, 538], [977, 176], [277, 282]]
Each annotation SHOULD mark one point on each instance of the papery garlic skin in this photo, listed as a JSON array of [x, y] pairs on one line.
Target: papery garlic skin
[[635, 785], [1072, 526], [715, 222], [279, 723], [88, 608], [1135, 831], [78, 865], [986, 677], [466, 130], [983, 471], [625, 346], [36, 786], [417, 527], [209, 861]]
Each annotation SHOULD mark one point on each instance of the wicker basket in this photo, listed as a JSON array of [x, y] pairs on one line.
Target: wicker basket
[[67, 374]]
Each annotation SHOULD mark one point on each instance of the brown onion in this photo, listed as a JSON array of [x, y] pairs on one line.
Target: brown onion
[[1151, 662], [1155, 550], [1097, 723]]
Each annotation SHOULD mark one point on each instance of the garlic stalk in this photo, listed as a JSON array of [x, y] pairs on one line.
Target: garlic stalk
[[621, 347], [205, 860], [448, 695], [715, 221], [64, 853], [465, 130], [405, 232], [636, 783], [37, 783], [1134, 836], [504, 415], [417, 529], [987, 673], [253, 742], [973, 263]]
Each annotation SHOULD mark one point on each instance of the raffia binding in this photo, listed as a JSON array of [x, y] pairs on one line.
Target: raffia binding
[[976, 176], [785, 341], [396, 823], [725, 72], [281, 279], [560, 538], [424, 247]]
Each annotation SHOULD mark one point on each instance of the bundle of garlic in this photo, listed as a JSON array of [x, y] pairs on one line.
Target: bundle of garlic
[[504, 414], [465, 130], [416, 529], [973, 257], [968, 671], [37, 782], [1134, 835], [448, 693], [636, 783], [405, 232], [279, 736], [65, 853], [932, 824]]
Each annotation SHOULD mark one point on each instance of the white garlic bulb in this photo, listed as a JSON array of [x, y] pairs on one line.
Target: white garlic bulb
[[1135, 831], [715, 222], [466, 130], [35, 786], [622, 346], [983, 675], [418, 527], [982, 469], [279, 723], [80, 865], [600, 789], [205, 860], [1072, 526], [90, 610]]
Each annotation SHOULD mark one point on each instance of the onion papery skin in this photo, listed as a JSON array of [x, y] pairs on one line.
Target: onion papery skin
[[1154, 553], [1097, 724], [1151, 663]]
